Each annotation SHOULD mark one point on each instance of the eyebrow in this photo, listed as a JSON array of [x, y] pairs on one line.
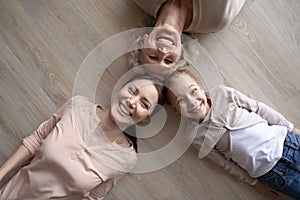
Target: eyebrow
[[132, 86]]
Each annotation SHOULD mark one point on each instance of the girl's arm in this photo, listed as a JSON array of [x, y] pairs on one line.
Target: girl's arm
[[269, 114], [18, 159], [231, 167]]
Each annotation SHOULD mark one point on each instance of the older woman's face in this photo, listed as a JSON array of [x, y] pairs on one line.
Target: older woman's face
[[162, 50]]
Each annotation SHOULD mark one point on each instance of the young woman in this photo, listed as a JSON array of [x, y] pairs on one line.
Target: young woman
[[163, 45], [247, 138], [82, 150]]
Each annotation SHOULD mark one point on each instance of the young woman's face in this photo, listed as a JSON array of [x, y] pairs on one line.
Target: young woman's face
[[134, 102], [188, 97], [161, 47]]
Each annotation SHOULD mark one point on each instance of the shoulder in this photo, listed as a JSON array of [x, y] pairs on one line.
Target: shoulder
[[219, 89], [221, 95]]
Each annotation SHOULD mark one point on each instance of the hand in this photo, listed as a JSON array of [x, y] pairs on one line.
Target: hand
[[265, 190], [296, 131]]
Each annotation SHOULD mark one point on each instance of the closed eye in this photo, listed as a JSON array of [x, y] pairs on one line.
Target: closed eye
[[145, 103], [168, 61], [152, 57]]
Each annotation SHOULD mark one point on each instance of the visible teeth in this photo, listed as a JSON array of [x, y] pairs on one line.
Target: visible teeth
[[196, 109], [125, 110], [165, 40]]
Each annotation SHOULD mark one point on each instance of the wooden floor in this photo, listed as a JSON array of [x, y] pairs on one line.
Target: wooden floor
[[44, 42]]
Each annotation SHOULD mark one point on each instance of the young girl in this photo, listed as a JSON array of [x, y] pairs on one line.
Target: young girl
[[245, 137], [81, 151]]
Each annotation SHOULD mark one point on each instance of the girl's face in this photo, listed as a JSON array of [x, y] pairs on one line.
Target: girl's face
[[161, 47], [134, 102], [188, 97]]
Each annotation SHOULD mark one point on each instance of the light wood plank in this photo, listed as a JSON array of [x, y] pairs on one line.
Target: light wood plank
[[43, 44]]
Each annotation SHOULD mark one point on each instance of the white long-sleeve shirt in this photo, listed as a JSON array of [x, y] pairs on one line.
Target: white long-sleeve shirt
[[230, 111]]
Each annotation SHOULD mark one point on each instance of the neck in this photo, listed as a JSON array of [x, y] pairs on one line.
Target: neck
[[108, 124], [112, 131], [175, 13]]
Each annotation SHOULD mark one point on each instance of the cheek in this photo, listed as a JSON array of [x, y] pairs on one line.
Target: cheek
[[141, 114], [183, 111]]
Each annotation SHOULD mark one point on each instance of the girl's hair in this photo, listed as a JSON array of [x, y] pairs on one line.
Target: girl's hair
[[130, 131], [172, 78]]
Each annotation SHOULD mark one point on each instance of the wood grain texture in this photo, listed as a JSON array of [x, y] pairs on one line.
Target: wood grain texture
[[44, 42]]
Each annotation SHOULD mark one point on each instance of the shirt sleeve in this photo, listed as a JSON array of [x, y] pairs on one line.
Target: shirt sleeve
[[231, 167], [99, 192], [270, 115], [34, 141]]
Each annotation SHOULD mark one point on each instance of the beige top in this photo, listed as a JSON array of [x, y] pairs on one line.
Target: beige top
[[208, 15], [64, 166]]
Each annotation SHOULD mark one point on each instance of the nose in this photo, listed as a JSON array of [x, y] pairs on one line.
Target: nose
[[132, 102], [163, 50]]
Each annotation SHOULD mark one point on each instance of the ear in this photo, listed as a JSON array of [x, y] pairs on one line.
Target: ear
[[145, 122]]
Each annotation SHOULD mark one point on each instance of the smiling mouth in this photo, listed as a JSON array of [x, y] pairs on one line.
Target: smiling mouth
[[165, 40], [196, 109], [124, 109]]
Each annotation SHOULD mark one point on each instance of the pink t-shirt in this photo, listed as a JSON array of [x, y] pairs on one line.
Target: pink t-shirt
[[64, 166]]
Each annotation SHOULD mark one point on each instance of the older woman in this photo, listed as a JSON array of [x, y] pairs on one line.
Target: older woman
[[163, 45]]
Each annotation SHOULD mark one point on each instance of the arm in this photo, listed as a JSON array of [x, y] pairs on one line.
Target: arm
[[101, 190], [231, 167], [34, 141], [270, 115], [19, 158], [30, 143]]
